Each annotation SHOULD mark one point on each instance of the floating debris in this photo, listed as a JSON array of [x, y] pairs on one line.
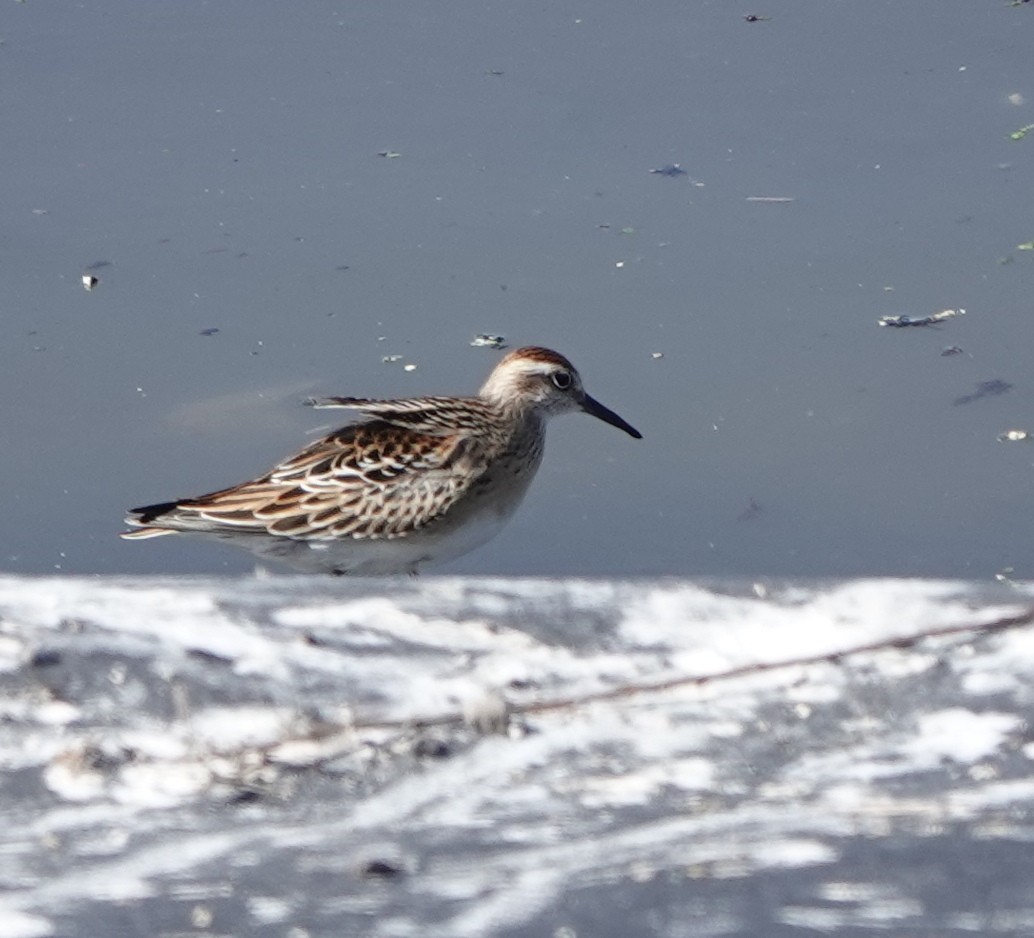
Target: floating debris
[[488, 713], [391, 359], [991, 388], [390, 154], [951, 350], [1021, 133], [201, 916], [657, 355], [409, 367], [210, 331], [484, 340], [1015, 436], [671, 170], [1005, 575], [901, 321], [90, 281]]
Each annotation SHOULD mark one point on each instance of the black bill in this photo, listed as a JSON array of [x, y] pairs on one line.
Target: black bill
[[592, 406]]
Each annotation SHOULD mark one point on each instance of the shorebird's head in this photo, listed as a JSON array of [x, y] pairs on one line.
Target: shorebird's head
[[546, 382]]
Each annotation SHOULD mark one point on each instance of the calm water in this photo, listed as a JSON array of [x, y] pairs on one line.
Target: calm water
[[219, 165]]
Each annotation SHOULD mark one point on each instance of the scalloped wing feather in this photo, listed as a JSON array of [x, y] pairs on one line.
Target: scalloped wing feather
[[367, 480], [437, 416]]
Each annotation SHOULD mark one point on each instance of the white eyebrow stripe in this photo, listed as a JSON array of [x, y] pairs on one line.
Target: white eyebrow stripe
[[537, 368]]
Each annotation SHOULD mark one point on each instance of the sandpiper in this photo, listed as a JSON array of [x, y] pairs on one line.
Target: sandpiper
[[420, 481]]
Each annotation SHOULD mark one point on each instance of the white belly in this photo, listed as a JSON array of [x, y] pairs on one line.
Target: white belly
[[467, 527], [400, 555]]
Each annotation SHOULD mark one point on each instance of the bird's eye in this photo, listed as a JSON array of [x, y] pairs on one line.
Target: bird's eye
[[562, 379]]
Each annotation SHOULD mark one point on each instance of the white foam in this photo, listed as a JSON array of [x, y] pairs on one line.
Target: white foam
[[601, 783]]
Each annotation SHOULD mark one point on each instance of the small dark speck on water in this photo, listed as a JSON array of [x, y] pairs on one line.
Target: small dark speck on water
[[991, 388], [379, 868], [203, 654], [429, 748], [951, 350], [45, 658], [752, 510], [211, 331]]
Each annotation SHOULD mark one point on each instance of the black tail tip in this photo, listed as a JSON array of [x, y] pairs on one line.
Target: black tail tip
[[148, 513]]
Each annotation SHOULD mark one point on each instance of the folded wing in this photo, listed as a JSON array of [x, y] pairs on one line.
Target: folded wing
[[385, 478]]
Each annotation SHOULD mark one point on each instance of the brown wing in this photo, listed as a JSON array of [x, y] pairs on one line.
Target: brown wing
[[368, 480], [436, 416]]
